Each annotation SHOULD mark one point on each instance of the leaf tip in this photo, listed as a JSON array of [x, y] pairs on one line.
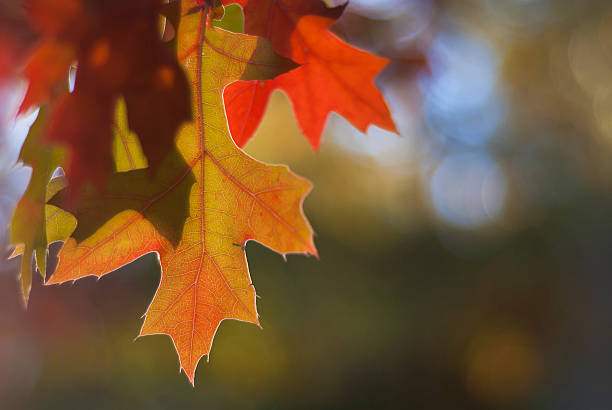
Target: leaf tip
[[25, 299], [314, 252]]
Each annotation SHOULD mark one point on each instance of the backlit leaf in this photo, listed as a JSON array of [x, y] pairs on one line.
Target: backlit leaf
[[333, 76], [231, 199]]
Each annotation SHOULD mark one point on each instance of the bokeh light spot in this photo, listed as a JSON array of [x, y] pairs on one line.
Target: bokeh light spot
[[468, 190]]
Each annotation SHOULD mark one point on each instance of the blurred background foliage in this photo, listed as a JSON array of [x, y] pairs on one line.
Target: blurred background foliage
[[464, 264]]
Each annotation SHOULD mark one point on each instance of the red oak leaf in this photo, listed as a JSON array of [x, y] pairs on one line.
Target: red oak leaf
[[333, 76]]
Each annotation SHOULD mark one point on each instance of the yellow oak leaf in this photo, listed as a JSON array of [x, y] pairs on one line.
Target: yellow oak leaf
[[234, 199]]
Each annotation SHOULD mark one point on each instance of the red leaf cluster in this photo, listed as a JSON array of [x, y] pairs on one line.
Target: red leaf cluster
[[119, 53]]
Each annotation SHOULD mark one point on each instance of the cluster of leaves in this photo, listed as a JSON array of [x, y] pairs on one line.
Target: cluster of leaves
[[143, 154]]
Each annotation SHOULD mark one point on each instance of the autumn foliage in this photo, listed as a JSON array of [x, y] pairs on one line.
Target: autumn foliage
[[142, 154]]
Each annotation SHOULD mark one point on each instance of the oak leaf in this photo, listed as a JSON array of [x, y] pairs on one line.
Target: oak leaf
[[31, 216], [232, 200], [334, 76]]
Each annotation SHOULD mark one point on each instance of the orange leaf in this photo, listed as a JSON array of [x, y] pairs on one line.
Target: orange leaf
[[334, 76], [234, 199]]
